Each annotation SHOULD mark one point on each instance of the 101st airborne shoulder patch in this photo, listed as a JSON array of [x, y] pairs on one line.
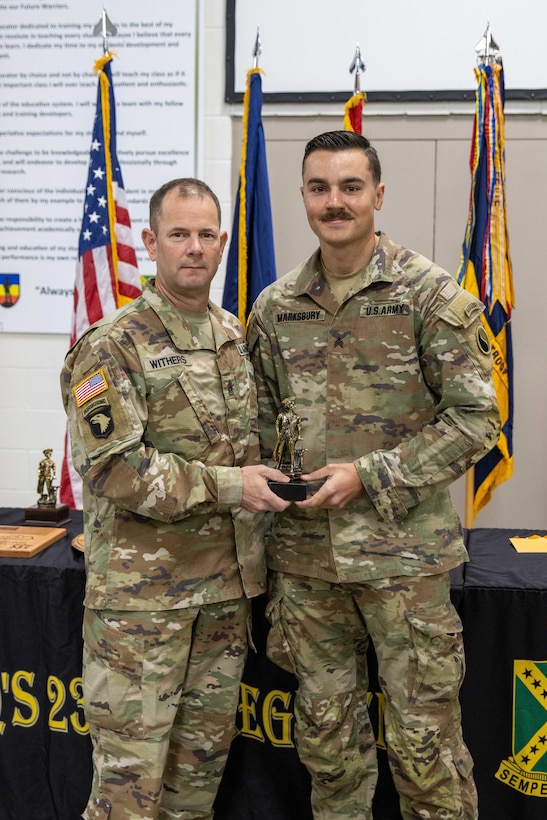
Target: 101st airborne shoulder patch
[[99, 417]]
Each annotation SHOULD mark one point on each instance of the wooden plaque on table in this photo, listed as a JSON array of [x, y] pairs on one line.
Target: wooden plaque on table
[[25, 541]]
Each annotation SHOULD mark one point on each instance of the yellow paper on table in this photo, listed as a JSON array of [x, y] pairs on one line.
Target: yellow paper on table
[[534, 543]]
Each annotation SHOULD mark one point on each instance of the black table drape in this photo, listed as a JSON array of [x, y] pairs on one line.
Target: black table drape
[[45, 751]]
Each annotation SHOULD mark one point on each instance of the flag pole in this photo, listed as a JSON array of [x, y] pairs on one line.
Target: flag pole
[[353, 110], [485, 268], [250, 265], [107, 274], [357, 66], [257, 49], [469, 498], [103, 28], [486, 49]]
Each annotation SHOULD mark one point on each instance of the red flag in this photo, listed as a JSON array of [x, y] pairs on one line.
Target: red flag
[[353, 112]]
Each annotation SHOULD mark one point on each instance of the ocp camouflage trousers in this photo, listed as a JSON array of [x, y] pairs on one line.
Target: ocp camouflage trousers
[[161, 691], [320, 632]]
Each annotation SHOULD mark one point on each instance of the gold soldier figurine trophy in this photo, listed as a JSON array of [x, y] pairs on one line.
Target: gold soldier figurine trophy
[[287, 455], [46, 512]]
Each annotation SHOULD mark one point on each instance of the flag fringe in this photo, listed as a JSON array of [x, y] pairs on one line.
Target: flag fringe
[[483, 493], [353, 112]]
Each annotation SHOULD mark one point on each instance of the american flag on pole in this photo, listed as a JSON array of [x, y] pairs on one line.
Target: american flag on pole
[[107, 275]]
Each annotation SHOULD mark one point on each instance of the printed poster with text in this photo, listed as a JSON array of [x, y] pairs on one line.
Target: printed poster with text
[[48, 94]]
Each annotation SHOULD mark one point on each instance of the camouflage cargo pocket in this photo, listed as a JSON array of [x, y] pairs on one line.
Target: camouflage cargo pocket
[[112, 676], [463, 762], [277, 646], [460, 766], [436, 659]]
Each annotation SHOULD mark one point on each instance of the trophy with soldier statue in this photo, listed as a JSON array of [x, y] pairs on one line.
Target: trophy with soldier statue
[[287, 454], [46, 512]]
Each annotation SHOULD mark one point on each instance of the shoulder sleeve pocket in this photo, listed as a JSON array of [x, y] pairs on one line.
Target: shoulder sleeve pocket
[[107, 421], [462, 312]]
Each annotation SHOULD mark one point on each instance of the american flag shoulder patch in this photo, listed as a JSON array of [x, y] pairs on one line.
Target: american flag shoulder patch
[[92, 386]]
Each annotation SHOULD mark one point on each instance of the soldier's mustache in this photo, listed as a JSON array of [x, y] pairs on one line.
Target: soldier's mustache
[[334, 213]]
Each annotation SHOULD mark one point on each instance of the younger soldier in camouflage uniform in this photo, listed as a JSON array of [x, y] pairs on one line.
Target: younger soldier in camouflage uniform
[[389, 367], [163, 420]]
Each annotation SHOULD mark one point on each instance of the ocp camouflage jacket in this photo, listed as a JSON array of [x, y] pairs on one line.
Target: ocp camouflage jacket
[[397, 380], [161, 478]]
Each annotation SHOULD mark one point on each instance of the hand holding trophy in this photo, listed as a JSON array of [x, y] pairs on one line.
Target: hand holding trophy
[[288, 456]]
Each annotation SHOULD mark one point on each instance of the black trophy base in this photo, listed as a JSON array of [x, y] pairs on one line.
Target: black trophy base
[[47, 515], [294, 490]]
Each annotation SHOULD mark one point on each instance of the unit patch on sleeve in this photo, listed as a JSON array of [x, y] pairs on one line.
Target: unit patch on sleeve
[[92, 386], [483, 341], [99, 417]]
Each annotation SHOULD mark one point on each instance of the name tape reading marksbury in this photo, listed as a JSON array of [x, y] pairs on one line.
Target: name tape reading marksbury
[[300, 316]]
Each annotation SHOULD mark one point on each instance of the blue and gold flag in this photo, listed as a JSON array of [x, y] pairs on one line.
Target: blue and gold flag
[[485, 268], [251, 259]]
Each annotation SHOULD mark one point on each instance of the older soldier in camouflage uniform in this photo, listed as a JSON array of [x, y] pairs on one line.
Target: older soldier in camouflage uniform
[[390, 369], [163, 419]]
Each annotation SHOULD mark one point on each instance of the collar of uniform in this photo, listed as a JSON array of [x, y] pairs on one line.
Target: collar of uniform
[[311, 280], [224, 326]]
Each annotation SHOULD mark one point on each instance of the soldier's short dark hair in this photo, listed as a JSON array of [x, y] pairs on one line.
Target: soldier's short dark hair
[[186, 187], [344, 141]]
